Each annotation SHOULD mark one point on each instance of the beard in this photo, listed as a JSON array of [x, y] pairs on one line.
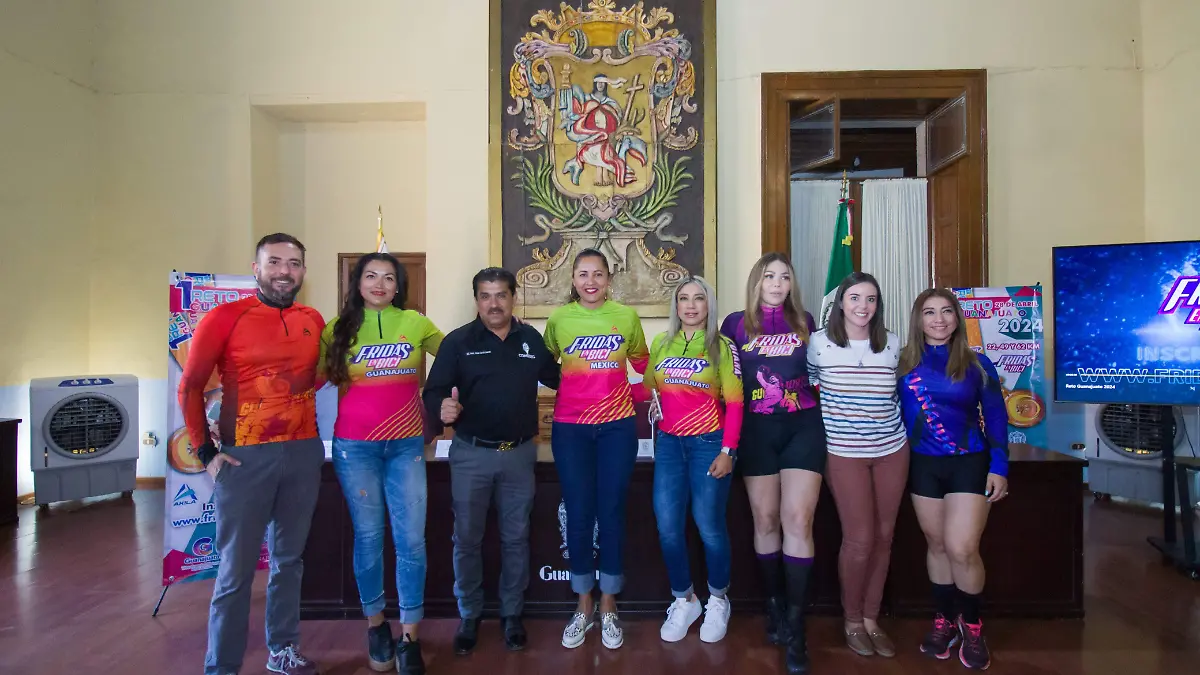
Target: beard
[[275, 295]]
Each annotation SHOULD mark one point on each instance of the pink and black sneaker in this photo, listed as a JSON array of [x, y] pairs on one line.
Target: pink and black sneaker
[[940, 641], [974, 651]]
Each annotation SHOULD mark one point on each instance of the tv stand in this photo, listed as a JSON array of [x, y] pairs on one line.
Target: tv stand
[[1181, 554]]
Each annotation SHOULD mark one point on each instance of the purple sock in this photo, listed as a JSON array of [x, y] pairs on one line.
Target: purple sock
[[792, 560], [769, 556]]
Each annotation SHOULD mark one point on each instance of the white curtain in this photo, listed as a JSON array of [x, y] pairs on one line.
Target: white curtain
[[895, 244], [813, 218]]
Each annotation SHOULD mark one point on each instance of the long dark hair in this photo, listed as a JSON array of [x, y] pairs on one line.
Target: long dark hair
[[835, 327], [350, 319], [962, 357], [587, 253], [793, 307]]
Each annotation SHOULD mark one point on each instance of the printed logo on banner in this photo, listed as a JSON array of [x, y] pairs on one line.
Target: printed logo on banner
[[186, 495], [202, 546]]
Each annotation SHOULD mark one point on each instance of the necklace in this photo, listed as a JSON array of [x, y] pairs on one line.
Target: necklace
[[862, 353]]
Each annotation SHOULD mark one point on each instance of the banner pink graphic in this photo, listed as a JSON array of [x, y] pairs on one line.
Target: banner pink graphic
[[190, 530], [1005, 323]]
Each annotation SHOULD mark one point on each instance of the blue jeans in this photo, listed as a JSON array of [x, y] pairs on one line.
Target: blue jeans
[[681, 472], [595, 463], [385, 480]]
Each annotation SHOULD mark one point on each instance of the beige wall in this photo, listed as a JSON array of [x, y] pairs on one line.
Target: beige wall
[[338, 175], [47, 186], [188, 182], [1063, 116], [1171, 87]]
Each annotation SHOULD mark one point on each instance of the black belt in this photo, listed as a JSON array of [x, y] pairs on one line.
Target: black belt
[[502, 446]]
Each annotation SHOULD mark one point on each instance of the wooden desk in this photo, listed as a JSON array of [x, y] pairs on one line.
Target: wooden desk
[[8, 471], [1033, 549]]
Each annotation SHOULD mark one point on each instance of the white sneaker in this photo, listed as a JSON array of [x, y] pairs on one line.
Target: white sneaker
[[576, 631], [680, 616], [611, 633], [716, 619]]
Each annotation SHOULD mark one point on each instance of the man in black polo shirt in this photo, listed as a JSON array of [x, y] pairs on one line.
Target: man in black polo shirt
[[484, 382]]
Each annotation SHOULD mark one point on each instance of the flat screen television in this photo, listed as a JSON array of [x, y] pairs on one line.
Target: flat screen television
[[1127, 323]]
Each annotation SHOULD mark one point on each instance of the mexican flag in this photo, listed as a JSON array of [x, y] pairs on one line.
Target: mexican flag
[[840, 261]]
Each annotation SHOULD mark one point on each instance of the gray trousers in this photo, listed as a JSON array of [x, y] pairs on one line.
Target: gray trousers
[[273, 492], [476, 475]]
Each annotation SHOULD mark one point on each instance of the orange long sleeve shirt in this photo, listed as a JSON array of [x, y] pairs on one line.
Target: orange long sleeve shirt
[[267, 360]]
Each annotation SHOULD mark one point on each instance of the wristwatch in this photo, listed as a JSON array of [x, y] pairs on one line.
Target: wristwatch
[[729, 451]]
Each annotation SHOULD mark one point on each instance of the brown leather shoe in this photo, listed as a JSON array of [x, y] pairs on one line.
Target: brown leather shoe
[[859, 642], [882, 643]]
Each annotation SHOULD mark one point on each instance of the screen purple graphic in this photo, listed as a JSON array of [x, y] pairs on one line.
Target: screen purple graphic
[[1127, 323]]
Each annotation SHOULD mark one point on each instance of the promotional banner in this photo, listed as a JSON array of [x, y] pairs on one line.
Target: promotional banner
[[1006, 325], [190, 531]]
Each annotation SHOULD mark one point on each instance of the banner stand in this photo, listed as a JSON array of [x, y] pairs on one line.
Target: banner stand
[[160, 600], [190, 516]]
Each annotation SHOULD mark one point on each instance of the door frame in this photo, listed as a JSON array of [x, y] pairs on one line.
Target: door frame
[[957, 249]]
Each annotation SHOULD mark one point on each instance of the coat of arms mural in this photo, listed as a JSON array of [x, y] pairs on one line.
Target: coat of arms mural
[[602, 145]]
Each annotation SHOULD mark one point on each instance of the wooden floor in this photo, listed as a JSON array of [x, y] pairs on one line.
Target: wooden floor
[[78, 584]]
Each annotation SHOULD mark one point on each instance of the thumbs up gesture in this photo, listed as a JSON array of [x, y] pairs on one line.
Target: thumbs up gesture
[[451, 408]]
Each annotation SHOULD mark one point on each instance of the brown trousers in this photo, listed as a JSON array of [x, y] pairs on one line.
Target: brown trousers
[[867, 492]]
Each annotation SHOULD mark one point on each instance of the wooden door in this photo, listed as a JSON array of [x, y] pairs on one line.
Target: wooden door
[[953, 154], [946, 143]]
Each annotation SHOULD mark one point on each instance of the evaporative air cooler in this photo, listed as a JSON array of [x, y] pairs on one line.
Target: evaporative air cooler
[[84, 436], [1125, 448]]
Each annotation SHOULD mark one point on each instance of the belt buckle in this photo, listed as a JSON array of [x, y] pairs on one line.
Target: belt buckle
[[505, 446]]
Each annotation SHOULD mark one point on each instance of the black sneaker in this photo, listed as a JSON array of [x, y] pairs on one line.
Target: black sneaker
[[796, 657], [408, 657], [974, 651], [381, 648], [777, 628], [466, 636], [940, 641]]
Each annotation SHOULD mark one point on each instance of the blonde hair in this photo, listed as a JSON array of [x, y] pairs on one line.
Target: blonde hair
[[962, 357], [712, 335], [793, 306]]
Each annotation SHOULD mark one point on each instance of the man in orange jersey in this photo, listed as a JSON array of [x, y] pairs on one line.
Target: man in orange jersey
[[267, 467]]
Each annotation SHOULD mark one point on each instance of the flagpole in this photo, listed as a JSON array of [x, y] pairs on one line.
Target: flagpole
[[380, 244]]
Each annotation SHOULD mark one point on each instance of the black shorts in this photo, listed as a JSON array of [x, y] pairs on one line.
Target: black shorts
[[770, 443], [936, 476]]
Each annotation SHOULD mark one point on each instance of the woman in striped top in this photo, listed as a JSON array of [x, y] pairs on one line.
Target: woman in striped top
[[854, 361]]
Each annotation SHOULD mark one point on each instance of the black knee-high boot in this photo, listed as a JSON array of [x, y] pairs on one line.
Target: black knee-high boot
[[770, 566], [798, 571]]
